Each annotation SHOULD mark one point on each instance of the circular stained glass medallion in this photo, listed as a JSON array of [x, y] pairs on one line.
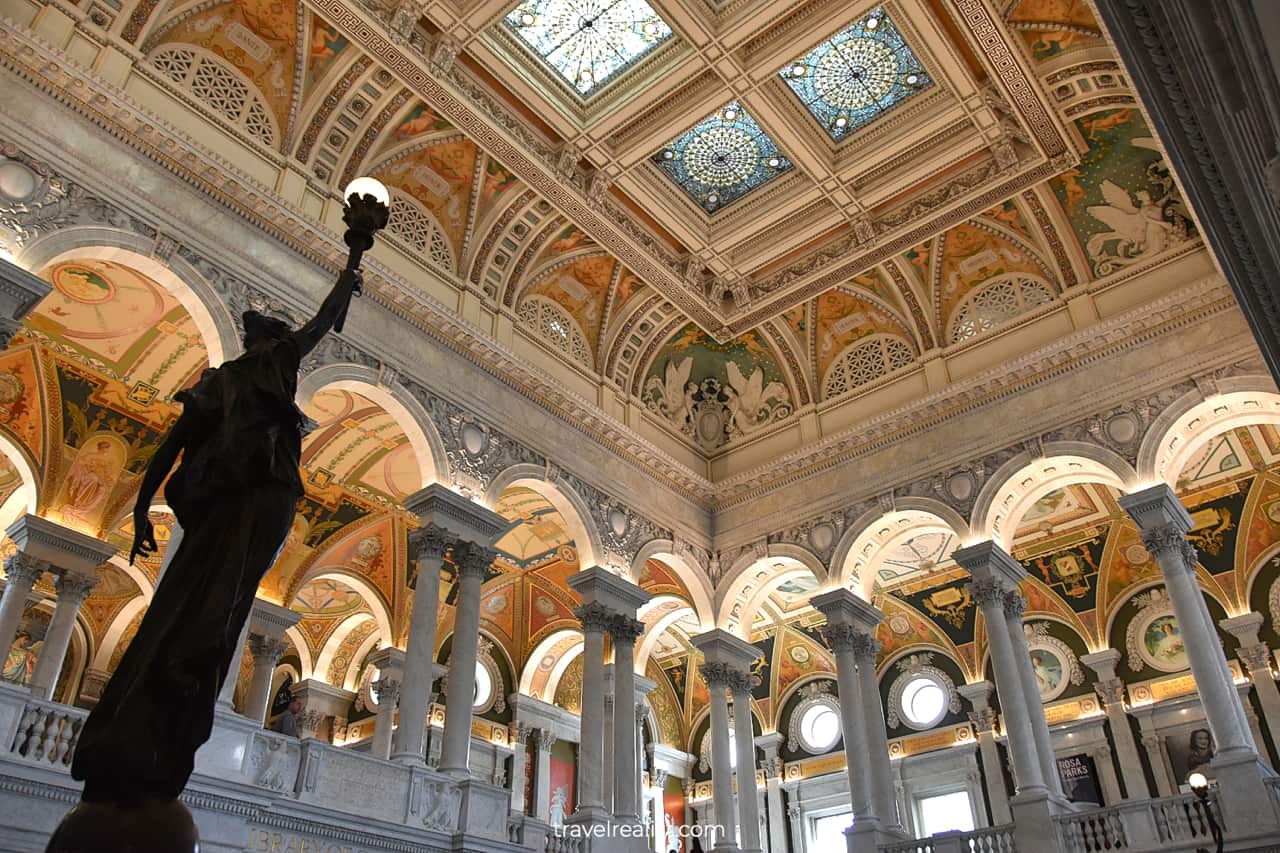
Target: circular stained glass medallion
[[856, 73], [721, 156]]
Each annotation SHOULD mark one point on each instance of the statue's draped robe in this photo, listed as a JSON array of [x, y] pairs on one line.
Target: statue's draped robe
[[234, 494]]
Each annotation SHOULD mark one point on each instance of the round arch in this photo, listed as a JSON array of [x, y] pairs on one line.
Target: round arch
[[1192, 419], [331, 646], [1024, 479], [349, 678], [744, 580], [558, 643], [570, 505], [304, 652], [410, 414], [179, 277], [26, 499], [861, 549], [654, 632], [111, 639], [377, 603], [696, 582]]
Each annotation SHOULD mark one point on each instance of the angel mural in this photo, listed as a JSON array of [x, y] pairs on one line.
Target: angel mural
[[671, 395], [1141, 227], [749, 399]]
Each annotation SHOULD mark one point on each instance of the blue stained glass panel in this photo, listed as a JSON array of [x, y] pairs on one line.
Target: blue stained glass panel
[[722, 158], [588, 41], [857, 75]]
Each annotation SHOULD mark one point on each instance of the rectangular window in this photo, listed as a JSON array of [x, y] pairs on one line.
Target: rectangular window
[[827, 832], [945, 813]]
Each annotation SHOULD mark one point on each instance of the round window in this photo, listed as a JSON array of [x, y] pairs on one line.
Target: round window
[[484, 688], [820, 727], [923, 702]]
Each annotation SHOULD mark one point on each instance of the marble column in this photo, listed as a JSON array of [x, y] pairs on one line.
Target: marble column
[[983, 717], [1014, 605], [993, 573], [883, 801], [625, 630], [320, 701], [609, 753], [390, 665], [227, 695], [1110, 690], [73, 588], [520, 732], [594, 619], [266, 653], [545, 739], [1257, 659], [429, 542], [21, 573], [472, 561], [744, 741], [853, 730], [1163, 523], [795, 817], [718, 677], [771, 744]]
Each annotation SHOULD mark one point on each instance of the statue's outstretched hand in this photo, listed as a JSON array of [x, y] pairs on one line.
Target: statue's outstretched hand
[[144, 537]]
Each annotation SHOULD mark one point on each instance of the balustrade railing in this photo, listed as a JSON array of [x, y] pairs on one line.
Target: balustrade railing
[[996, 839], [1089, 832], [918, 845], [47, 732], [1185, 817], [564, 843]]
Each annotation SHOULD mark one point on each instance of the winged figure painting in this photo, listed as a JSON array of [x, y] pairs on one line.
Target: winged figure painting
[[749, 397], [1137, 229]]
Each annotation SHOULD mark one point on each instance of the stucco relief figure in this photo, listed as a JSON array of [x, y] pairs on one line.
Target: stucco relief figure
[[234, 493], [672, 395], [750, 399], [1139, 228]]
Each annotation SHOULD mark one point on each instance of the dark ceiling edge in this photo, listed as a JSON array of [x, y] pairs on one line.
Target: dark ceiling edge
[[1203, 71]]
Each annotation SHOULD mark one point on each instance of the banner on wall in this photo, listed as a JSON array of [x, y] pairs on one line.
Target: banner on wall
[[1079, 779]]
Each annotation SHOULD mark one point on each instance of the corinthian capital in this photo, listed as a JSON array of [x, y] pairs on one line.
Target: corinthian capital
[[1170, 547], [624, 629], [430, 541], [986, 592], [472, 559], [740, 683], [717, 675], [23, 570], [1014, 605], [594, 617], [843, 638], [865, 649], [74, 587]]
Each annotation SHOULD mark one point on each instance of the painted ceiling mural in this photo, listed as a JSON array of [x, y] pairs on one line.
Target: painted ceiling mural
[[337, 112]]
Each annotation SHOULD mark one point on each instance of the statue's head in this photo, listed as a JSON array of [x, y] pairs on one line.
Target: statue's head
[[260, 329]]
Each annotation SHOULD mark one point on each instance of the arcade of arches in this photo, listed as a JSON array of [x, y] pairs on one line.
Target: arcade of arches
[[899, 443]]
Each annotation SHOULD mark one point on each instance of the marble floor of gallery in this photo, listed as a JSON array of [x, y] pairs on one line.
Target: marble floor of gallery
[[797, 426]]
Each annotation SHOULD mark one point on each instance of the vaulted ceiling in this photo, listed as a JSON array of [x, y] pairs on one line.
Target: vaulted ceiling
[[727, 212]]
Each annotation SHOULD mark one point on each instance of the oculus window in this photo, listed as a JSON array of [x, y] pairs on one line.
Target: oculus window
[[484, 688], [923, 702], [820, 727], [857, 75], [722, 158], [587, 42]]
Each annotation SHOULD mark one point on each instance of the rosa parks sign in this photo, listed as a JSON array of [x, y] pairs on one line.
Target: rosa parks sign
[[1079, 779]]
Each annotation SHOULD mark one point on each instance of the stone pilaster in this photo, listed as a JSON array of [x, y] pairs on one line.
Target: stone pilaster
[[1110, 690], [983, 717], [390, 665]]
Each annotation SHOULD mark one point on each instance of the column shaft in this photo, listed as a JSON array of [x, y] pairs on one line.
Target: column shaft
[[1177, 560], [472, 563], [624, 631], [717, 677], [409, 743], [993, 778], [607, 769], [388, 694], [73, 588], [852, 727], [266, 652], [883, 803], [594, 619], [21, 572], [745, 744], [519, 756], [1013, 608], [542, 776], [227, 695], [1017, 725], [773, 799]]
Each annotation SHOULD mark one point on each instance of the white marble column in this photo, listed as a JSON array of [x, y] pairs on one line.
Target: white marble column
[[429, 542], [1257, 659], [1163, 523], [1014, 605], [227, 695], [520, 732], [771, 744], [1027, 772], [594, 619], [542, 775], [390, 665], [609, 753], [473, 561], [883, 801], [21, 573], [1110, 690], [983, 717], [625, 630], [853, 730], [718, 676], [796, 818], [266, 653], [744, 742], [73, 588]]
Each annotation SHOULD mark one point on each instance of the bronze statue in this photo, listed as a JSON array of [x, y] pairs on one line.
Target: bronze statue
[[234, 493]]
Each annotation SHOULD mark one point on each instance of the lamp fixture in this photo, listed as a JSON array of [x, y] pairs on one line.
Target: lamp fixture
[[367, 209]]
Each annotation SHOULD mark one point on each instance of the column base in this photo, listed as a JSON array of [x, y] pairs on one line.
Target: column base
[[1244, 793], [588, 815], [409, 759], [1033, 819], [867, 834], [460, 774]]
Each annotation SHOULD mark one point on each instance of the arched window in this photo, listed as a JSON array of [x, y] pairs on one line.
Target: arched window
[[419, 230], [865, 361], [553, 325], [998, 302], [216, 84]]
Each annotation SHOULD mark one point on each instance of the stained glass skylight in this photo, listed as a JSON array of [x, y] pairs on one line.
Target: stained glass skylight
[[722, 158], [857, 75], [588, 41]]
